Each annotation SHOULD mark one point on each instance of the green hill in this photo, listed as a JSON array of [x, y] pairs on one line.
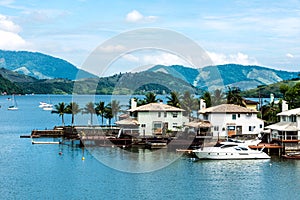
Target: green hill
[[40, 66]]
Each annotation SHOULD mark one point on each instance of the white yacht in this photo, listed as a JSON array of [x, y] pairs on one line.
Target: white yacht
[[229, 151]]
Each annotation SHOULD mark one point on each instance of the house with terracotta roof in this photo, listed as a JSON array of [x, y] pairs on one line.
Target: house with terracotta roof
[[230, 119], [153, 119]]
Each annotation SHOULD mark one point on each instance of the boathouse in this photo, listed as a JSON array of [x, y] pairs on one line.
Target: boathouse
[[288, 129]]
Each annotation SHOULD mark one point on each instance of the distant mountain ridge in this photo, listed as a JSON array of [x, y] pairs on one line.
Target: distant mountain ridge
[[233, 75], [40, 66]]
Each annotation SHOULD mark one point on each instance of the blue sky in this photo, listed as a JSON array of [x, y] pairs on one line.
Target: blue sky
[[265, 32]]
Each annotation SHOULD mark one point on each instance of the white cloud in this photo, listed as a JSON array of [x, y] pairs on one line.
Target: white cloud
[[113, 48], [136, 16], [239, 58], [163, 59], [131, 58], [7, 25], [11, 41], [289, 55], [9, 34]]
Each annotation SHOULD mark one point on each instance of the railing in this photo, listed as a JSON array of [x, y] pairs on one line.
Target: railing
[[287, 137]]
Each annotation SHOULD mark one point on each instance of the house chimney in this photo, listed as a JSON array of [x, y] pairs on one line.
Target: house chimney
[[133, 103], [202, 104], [284, 106], [271, 98]]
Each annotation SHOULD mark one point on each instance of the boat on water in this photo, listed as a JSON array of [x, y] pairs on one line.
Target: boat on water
[[230, 151], [292, 155], [44, 142], [46, 106], [14, 105]]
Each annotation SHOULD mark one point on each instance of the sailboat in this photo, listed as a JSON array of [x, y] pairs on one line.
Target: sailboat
[[14, 105]]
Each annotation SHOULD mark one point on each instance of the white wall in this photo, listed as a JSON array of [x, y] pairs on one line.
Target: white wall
[[222, 120], [148, 118]]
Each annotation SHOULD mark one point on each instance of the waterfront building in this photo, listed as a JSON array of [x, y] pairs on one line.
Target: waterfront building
[[230, 120], [288, 128], [153, 119]]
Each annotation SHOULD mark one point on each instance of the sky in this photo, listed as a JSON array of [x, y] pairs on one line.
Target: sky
[[255, 32]]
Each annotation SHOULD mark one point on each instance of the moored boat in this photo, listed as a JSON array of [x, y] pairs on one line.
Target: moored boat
[[229, 151], [292, 155]]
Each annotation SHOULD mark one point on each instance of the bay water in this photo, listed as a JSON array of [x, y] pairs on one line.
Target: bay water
[[30, 171]]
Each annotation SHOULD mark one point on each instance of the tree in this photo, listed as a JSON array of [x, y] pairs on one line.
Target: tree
[[150, 97], [292, 96], [115, 108], [283, 88], [269, 113], [217, 97], [108, 113], [234, 97], [73, 109], [100, 110], [89, 109], [207, 98], [173, 100], [60, 109], [189, 103]]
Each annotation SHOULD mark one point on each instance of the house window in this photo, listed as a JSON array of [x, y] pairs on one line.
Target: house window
[[233, 116], [159, 114], [205, 117], [251, 128], [294, 118], [260, 126], [216, 128], [175, 114], [143, 125], [165, 114], [175, 125], [239, 115]]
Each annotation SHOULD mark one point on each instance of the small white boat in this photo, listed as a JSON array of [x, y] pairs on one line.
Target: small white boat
[[14, 105], [48, 107], [229, 151], [44, 142]]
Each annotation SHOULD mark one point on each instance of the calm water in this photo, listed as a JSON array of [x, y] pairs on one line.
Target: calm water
[[38, 172]]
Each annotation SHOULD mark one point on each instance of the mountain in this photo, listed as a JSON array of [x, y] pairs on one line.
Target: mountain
[[40, 66], [233, 75], [6, 85], [128, 83]]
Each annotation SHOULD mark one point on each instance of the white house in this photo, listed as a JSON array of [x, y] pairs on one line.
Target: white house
[[289, 126], [230, 119], [154, 119]]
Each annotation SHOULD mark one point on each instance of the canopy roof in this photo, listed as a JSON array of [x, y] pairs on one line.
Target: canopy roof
[[199, 124], [283, 126]]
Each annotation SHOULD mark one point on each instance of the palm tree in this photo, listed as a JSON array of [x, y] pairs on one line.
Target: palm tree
[[218, 97], [100, 109], [60, 109], [234, 97], [173, 100], [108, 113], [115, 108], [150, 97], [89, 109], [73, 109], [189, 103]]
